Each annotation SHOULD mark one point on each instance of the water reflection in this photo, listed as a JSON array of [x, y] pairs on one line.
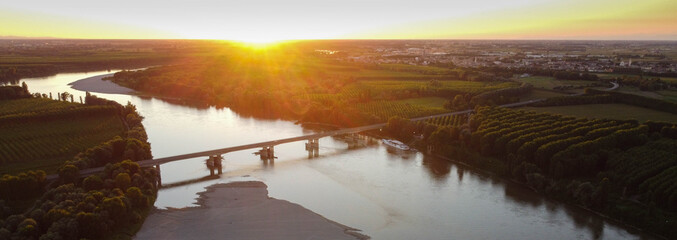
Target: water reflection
[[439, 170], [460, 172], [268, 163], [388, 196]]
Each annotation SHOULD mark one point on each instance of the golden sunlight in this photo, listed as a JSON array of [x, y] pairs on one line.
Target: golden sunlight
[[259, 43]]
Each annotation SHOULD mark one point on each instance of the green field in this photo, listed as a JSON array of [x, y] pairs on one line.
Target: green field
[[609, 111], [551, 82], [31, 142], [671, 80], [427, 102], [379, 90], [382, 89], [407, 108], [540, 94], [665, 95], [33, 105]]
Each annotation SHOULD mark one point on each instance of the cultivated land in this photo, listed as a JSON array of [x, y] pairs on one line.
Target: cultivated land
[[672, 80], [301, 85], [609, 111], [40, 134], [620, 168], [665, 95], [550, 82], [540, 94]]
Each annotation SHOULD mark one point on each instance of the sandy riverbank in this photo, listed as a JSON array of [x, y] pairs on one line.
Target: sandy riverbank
[[96, 84], [242, 210]]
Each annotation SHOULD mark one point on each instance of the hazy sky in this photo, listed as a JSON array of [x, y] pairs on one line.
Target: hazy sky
[[265, 20]]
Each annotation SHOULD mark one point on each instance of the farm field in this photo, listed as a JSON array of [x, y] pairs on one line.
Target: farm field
[[551, 82], [665, 95], [382, 89], [408, 108], [40, 134], [430, 102], [540, 94], [609, 111], [624, 157], [449, 121], [672, 80], [33, 105], [392, 90]]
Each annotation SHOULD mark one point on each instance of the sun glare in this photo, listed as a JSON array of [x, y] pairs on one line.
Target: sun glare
[[259, 43]]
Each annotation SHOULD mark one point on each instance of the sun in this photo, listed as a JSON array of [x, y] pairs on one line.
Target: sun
[[259, 42]]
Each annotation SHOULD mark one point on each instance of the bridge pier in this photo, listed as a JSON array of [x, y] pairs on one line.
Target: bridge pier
[[267, 153], [214, 163], [159, 176], [312, 144], [219, 163], [313, 147]]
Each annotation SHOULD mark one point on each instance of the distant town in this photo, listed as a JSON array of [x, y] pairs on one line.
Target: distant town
[[584, 56]]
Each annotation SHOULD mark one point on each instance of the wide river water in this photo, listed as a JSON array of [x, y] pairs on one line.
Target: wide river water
[[386, 195]]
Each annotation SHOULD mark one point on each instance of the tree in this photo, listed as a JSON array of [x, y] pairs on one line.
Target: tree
[[24, 86], [64, 96], [428, 130], [69, 173], [122, 181], [599, 197], [28, 229], [137, 198], [93, 182], [460, 103], [116, 207], [92, 225], [441, 136]]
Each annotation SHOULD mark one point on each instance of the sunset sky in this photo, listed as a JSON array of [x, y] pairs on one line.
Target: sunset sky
[[270, 20]]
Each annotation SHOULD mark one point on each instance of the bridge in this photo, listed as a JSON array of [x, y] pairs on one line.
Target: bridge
[[267, 148]]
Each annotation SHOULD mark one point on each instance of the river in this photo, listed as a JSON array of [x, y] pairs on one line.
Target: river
[[386, 195]]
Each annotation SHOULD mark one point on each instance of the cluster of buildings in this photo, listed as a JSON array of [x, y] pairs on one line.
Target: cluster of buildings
[[597, 56]]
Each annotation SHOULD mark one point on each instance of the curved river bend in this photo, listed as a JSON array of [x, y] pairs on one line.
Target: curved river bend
[[387, 196]]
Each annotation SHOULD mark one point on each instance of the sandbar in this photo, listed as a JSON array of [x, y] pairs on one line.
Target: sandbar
[[242, 210], [98, 85]]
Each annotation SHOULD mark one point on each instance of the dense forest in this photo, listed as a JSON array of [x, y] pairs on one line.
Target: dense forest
[[619, 168]]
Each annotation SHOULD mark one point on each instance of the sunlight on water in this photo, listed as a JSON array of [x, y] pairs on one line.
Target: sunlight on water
[[388, 196]]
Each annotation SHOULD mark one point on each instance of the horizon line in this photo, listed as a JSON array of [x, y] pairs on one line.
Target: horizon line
[[344, 39]]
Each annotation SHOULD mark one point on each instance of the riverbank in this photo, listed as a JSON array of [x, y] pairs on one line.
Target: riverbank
[[242, 210], [234, 211], [97, 84]]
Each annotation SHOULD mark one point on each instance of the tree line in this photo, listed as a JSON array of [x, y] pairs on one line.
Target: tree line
[[558, 74], [14, 92], [598, 164], [593, 96]]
